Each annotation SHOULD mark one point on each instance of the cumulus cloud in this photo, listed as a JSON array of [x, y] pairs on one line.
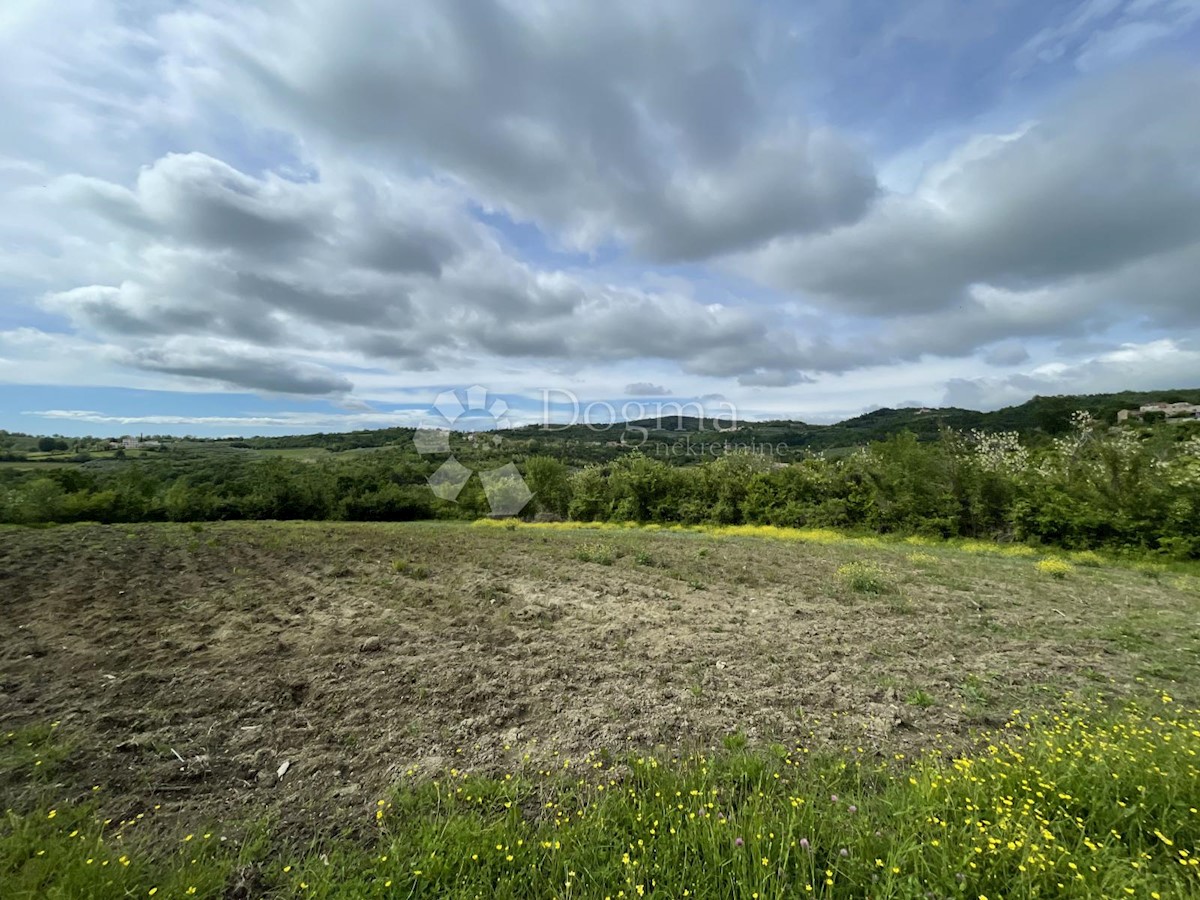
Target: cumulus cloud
[[1155, 365], [329, 196], [401, 274], [1104, 181], [241, 367], [640, 122]]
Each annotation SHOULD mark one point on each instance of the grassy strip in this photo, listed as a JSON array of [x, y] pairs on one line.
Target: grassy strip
[[1142, 561], [1082, 802]]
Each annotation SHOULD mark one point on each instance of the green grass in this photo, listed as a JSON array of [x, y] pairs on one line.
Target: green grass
[[865, 578], [602, 553], [1085, 801]]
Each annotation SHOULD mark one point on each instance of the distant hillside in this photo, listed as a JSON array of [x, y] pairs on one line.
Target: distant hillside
[[1038, 418]]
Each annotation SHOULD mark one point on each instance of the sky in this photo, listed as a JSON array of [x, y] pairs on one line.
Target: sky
[[225, 218]]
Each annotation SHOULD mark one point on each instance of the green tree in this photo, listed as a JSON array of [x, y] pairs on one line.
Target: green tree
[[549, 479]]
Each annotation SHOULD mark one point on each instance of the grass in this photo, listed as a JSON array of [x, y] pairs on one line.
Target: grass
[[404, 567], [601, 553], [1142, 560], [1094, 799], [865, 578], [920, 698], [1089, 800]]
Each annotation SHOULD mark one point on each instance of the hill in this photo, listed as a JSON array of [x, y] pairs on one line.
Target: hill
[[1036, 419]]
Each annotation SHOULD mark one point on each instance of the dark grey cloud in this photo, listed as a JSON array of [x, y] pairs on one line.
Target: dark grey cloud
[[1006, 353], [774, 378], [646, 389], [208, 203], [380, 308], [640, 121], [242, 369], [417, 251]]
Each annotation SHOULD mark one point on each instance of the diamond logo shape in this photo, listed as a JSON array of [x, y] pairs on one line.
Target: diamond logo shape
[[505, 489], [449, 480]]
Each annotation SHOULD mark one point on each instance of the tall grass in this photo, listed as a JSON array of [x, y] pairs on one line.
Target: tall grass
[[1084, 801]]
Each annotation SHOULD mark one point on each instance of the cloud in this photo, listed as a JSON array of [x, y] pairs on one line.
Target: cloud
[[237, 367], [644, 124], [774, 378], [1155, 365], [1006, 353], [1099, 33], [1056, 199], [333, 199], [401, 274], [646, 389], [288, 420]]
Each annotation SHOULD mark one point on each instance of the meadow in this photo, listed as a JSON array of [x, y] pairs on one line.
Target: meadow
[[444, 709]]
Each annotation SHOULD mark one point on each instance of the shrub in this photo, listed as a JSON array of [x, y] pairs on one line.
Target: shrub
[[865, 578], [1055, 568], [1018, 550], [600, 553]]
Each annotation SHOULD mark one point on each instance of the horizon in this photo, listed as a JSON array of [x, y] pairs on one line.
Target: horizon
[[211, 223], [478, 420]]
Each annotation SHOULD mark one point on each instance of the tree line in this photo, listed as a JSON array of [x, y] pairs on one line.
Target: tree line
[[1090, 487]]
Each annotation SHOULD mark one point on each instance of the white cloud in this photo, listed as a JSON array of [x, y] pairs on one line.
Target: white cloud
[[212, 197], [1155, 365]]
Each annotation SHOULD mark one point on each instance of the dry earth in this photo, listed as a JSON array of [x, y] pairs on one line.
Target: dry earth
[[186, 665]]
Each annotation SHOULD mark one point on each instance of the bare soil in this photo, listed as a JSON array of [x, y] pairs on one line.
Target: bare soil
[[187, 665]]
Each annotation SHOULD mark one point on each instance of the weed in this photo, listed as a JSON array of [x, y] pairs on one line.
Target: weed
[[1066, 803], [403, 567], [1088, 558], [1018, 550], [865, 578], [920, 698], [1055, 568], [973, 690], [735, 742], [600, 553]]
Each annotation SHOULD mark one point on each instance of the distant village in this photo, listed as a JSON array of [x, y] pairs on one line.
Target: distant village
[[133, 443], [1172, 412]]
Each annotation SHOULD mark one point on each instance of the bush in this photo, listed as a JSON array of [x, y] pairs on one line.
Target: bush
[[600, 553], [1055, 568], [865, 578]]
